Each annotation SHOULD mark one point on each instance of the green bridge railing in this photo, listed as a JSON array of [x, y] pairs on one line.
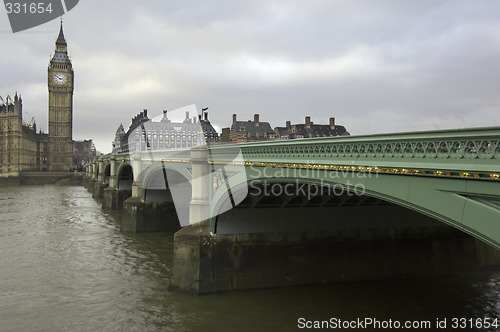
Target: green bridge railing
[[467, 153]]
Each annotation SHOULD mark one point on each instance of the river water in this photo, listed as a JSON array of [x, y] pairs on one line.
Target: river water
[[65, 266]]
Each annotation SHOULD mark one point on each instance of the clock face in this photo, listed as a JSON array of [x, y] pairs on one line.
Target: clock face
[[59, 78]]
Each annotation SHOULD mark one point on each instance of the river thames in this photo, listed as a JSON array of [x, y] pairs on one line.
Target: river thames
[[65, 266]]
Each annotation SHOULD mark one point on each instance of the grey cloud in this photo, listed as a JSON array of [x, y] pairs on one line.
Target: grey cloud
[[375, 65]]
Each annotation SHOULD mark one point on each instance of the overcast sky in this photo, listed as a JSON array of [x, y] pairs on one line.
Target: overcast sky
[[376, 66]]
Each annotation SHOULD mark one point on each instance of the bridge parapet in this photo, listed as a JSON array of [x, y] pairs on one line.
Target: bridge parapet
[[171, 155]]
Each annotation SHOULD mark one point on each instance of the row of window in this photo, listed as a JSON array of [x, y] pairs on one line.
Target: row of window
[[182, 134], [59, 88], [143, 147], [257, 135], [58, 66], [161, 138]]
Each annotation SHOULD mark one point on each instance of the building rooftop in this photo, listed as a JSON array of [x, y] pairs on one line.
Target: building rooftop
[[252, 129], [308, 129]]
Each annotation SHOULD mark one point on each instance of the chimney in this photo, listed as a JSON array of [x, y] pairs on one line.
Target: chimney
[[165, 114], [332, 123], [187, 115], [308, 121], [145, 113], [206, 116], [234, 118], [256, 119], [289, 125], [194, 119]]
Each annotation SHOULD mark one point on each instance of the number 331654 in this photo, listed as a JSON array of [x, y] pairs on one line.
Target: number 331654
[[28, 8]]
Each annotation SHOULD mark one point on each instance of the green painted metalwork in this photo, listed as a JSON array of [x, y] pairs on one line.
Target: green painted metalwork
[[471, 151]]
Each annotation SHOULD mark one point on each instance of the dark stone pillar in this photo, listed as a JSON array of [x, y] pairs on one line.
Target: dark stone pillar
[[90, 185], [192, 267], [92, 179], [139, 216], [207, 263], [98, 191], [114, 198]]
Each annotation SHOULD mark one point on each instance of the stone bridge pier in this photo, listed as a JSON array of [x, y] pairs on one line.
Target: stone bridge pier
[[206, 263], [113, 198], [114, 190], [100, 184], [89, 181]]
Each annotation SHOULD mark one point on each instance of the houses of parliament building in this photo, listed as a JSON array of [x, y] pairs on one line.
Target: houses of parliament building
[[22, 148]]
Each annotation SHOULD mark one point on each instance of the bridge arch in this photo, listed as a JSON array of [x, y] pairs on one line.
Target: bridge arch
[[170, 186], [158, 180], [125, 176], [107, 173], [287, 206], [466, 205]]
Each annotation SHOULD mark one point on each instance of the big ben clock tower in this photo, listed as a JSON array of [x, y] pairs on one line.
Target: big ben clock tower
[[60, 84]]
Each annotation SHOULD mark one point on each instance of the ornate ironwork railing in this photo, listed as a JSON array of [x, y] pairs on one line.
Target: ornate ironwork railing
[[465, 153]]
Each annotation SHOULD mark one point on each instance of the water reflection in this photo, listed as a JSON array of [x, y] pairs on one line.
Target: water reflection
[[66, 267]]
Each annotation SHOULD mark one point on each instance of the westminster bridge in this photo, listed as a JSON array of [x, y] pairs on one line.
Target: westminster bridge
[[314, 210]]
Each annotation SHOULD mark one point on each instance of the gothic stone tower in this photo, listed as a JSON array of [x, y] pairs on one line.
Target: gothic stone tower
[[60, 84], [11, 135]]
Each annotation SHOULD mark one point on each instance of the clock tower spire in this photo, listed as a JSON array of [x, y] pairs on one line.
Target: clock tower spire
[[60, 81]]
